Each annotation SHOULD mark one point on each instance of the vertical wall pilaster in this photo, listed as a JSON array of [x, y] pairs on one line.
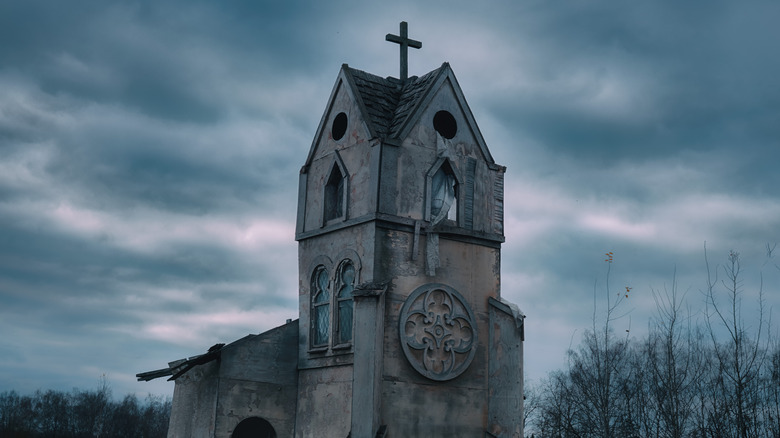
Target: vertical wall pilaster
[[505, 370], [368, 357]]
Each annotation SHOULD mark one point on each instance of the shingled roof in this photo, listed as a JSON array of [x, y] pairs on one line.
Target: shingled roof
[[390, 107], [388, 102]]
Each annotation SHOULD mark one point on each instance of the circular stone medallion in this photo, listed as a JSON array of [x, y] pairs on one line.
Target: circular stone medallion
[[438, 332]]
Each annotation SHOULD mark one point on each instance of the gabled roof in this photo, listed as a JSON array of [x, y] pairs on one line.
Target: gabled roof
[[388, 104], [391, 107]]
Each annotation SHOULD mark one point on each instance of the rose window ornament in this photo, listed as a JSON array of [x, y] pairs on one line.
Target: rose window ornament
[[438, 332]]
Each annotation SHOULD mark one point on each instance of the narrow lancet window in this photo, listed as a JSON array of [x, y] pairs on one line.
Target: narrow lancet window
[[344, 299], [334, 195], [443, 196], [320, 314]]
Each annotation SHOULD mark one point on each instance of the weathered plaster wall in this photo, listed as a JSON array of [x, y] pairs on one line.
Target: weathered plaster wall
[[356, 154], [324, 402], [422, 410], [418, 154], [325, 375], [194, 401], [505, 380], [258, 378], [242, 399], [413, 405], [329, 249]]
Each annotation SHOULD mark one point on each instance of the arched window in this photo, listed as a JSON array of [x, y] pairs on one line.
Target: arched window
[[254, 427], [444, 195], [334, 195], [320, 308], [346, 285], [335, 192], [331, 316]]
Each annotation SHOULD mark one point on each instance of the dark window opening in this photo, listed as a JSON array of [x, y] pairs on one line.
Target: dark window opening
[[339, 126], [444, 123], [254, 427], [334, 195]]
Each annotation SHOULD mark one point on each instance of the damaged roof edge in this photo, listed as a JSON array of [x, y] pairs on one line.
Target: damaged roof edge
[[156, 374], [179, 367]]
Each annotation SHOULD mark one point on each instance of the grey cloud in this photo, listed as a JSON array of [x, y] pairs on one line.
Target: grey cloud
[[150, 119]]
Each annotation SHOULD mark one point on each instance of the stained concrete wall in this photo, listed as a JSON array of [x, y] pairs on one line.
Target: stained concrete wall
[[258, 378], [194, 401], [413, 405], [326, 374], [325, 402], [354, 243], [356, 154], [253, 377], [242, 399], [403, 185], [505, 380]]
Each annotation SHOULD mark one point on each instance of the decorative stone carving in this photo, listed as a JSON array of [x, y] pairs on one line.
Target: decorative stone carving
[[438, 332]]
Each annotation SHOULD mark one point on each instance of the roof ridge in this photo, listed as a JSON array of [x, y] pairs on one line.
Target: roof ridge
[[388, 102], [412, 95]]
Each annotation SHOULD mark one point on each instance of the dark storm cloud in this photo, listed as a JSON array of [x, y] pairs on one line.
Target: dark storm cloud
[[167, 60], [125, 144], [120, 98], [647, 80]]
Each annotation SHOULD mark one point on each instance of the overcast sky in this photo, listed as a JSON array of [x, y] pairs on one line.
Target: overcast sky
[[149, 154]]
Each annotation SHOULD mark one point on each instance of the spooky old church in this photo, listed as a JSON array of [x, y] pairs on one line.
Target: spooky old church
[[402, 331]]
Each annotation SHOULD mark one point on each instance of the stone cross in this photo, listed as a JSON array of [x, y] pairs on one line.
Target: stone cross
[[404, 41]]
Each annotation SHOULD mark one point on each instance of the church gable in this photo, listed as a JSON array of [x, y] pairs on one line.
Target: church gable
[[344, 122], [335, 160], [426, 118], [441, 92], [444, 159]]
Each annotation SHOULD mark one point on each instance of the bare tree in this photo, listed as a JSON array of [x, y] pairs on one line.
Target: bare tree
[[674, 360], [557, 412], [676, 382], [598, 373], [52, 407], [17, 416], [81, 414], [90, 410], [740, 357], [770, 393]]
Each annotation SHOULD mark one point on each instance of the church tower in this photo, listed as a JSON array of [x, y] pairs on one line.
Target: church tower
[[400, 223], [402, 329]]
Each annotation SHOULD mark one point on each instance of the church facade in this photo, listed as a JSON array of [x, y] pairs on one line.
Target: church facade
[[402, 331]]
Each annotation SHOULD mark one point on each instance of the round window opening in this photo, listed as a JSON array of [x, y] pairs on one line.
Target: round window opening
[[444, 123], [339, 127]]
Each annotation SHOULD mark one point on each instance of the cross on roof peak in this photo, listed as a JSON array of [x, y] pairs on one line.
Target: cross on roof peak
[[405, 42]]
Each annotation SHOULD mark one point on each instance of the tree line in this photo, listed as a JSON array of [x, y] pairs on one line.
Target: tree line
[[82, 414], [712, 375]]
